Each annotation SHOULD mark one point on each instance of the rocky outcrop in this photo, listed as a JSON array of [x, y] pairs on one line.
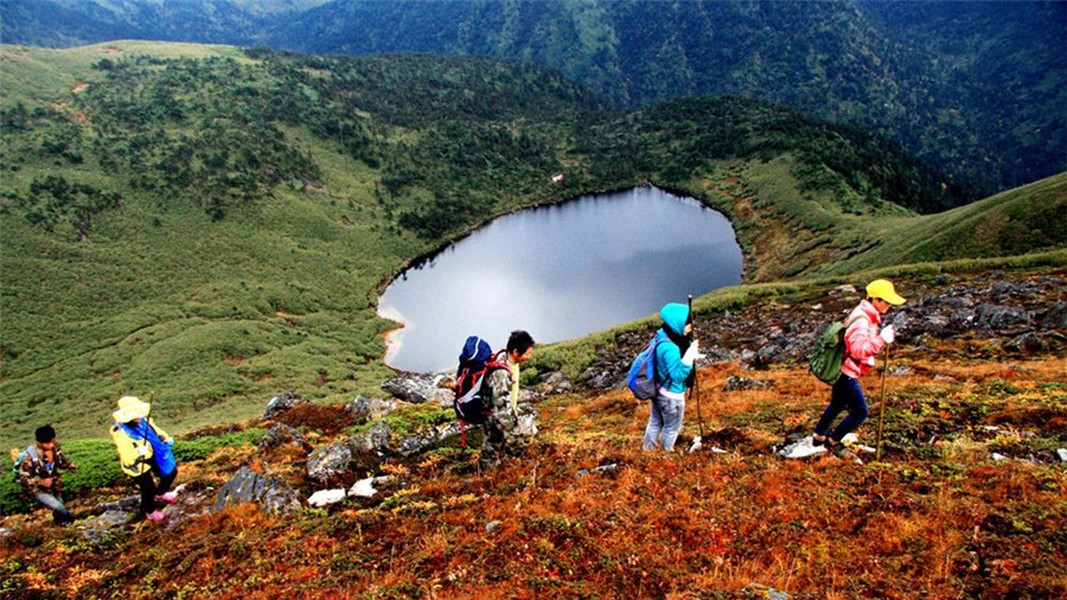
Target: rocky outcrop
[[366, 409], [282, 434], [1026, 316], [418, 388], [375, 440], [271, 493], [281, 403], [425, 440], [329, 461]]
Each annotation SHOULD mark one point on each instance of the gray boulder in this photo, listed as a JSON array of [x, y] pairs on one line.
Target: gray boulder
[[99, 527], [374, 440], [1027, 343], [1056, 317], [369, 447], [281, 403], [602, 379], [736, 383], [127, 504], [422, 441], [329, 461], [997, 318], [282, 434], [557, 382], [418, 389], [271, 493], [371, 409], [767, 356]]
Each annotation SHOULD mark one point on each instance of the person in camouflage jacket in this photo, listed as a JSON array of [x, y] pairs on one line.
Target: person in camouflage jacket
[[509, 425], [41, 473]]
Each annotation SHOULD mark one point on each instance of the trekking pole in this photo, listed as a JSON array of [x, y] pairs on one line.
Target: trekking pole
[[696, 379], [881, 410]]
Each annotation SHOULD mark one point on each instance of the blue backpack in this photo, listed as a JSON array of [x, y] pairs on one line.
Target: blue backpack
[[642, 378], [474, 396]]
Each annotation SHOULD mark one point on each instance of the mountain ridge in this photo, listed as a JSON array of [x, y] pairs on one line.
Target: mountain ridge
[[931, 76]]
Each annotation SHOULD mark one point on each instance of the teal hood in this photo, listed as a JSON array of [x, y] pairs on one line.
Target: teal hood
[[675, 316]]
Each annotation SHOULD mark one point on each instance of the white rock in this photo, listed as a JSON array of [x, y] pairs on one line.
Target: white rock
[[326, 497], [802, 449], [998, 456], [1062, 453], [363, 488]]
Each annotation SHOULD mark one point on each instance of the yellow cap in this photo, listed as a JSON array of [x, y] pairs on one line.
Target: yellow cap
[[883, 289]]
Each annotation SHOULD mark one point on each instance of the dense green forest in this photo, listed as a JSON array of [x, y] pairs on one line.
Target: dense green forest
[[975, 89], [213, 224], [210, 131]]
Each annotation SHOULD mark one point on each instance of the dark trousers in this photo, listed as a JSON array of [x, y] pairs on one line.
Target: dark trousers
[[847, 395], [149, 489]]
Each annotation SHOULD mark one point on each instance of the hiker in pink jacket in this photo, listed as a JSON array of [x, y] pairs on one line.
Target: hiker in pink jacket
[[863, 341]]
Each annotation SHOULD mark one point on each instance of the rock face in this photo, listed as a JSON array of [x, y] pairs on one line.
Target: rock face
[[329, 461], [1022, 316], [281, 403], [418, 389], [271, 493], [375, 440]]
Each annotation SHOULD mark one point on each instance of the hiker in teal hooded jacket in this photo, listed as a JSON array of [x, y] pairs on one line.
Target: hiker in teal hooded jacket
[[675, 354]]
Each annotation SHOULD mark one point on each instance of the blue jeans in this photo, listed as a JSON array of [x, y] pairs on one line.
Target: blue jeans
[[847, 394], [664, 423], [60, 514]]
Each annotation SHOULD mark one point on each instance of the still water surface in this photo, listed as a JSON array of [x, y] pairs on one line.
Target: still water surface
[[559, 272]]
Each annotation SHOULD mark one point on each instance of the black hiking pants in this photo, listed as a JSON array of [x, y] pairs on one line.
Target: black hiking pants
[[149, 490]]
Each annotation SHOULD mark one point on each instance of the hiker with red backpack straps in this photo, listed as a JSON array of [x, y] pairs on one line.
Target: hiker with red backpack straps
[[863, 341], [40, 471], [509, 425]]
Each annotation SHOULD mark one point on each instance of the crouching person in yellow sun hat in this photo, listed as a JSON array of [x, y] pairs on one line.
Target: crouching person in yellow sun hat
[[144, 449]]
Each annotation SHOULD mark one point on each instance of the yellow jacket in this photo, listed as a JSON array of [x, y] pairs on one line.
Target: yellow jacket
[[135, 454]]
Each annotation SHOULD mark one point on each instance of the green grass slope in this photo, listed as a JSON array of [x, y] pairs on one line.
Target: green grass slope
[[211, 227]]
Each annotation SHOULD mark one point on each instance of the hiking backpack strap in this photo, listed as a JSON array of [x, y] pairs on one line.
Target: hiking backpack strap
[[844, 331], [474, 381]]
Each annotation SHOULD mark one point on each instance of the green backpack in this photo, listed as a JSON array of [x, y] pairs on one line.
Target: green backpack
[[829, 352], [32, 451]]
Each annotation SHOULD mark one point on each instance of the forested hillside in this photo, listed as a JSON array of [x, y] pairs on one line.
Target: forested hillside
[[975, 89], [214, 224]]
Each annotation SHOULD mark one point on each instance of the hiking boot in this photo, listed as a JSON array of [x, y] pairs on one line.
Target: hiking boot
[[169, 498], [841, 451], [819, 440], [155, 515]]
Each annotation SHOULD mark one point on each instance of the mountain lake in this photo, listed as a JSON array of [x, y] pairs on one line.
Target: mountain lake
[[559, 272]]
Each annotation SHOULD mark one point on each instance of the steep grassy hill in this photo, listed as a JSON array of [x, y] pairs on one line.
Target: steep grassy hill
[[213, 225], [967, 501]]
